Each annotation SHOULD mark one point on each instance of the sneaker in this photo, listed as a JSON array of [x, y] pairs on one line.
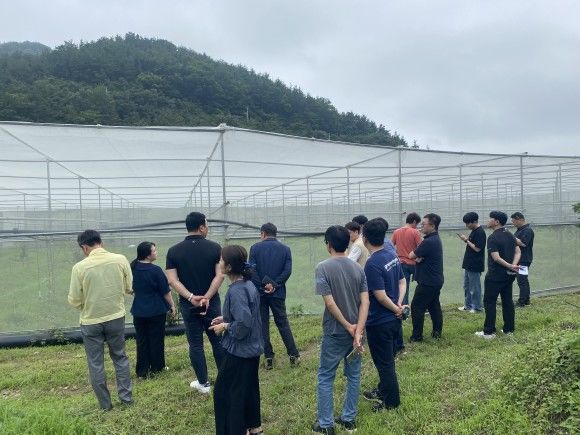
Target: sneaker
[[472, 311], [326, 430], [269, 363], [436, 334], [380, 406], [484, 335], [349, 426], [202, 388], [507, 333], [372, 395], [463, 308], [415, 339], [295, 361]]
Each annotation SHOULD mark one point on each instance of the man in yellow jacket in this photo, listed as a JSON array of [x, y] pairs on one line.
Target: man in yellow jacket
[[97, 287]]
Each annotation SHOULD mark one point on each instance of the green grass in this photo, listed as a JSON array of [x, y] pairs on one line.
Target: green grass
[[453, 385], [33, 291]]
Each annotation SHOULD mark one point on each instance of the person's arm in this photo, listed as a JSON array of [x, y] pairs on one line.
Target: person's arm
[[127, 277], [363, 312], [385, 301], [496, 257], [240, 312], [517, 256], [402, 291], [176, 285], [354, 253], [164, 289], [469, 243], [281, 279], [75, 293], [216, 282], [252, 260], [337, 314]]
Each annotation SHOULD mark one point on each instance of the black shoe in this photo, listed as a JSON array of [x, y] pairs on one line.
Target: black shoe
[[349, 426], [269, 363], [415, 339], [372, 395], [378, 407], [326, 430], [436, 334], [129, 403], [295, 361]]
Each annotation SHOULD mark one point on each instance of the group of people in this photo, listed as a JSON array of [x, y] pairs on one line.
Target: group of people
[[365, 289]]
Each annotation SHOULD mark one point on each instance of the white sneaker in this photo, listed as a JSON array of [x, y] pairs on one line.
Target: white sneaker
[[472, 311], [462, 308], [202, 388], [486, 336], [507, 333]]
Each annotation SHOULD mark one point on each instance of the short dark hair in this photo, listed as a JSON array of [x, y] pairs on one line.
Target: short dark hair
[[353, 226], [499, 216], [518, 215], [236, 257], [413, 218], [269, 229], [194, 220], [434, 219], [89, 238], [374, 231], [337, 238], [384, 221], [361, 219], [469, 218]]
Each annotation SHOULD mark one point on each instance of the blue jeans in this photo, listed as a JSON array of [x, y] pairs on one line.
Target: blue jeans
[[333, 349], [472, 289]]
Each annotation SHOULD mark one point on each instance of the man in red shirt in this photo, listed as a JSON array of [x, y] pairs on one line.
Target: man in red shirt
[[406, 239]]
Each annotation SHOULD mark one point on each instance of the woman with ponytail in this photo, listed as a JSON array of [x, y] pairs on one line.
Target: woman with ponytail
[[150, 306], [237, 389]]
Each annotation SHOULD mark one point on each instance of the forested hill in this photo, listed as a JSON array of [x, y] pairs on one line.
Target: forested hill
[[138, 81]]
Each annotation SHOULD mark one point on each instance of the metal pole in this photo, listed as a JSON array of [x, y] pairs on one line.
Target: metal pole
[[283, 207], [359, 199], [112, 210], [560, 191], [308, 202], [431, 195], [400, 181], [208, 191], [266, 206], [81, 202], [49, 195], [201, 191], [482, 196], [348, 190], [522, 183], [460, 191], [100, 208], [224, 200]]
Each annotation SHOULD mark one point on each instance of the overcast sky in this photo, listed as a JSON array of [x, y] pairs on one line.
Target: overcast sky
[[498, 76]]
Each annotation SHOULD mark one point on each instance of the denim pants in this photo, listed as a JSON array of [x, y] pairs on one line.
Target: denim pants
[[380, 339], [472, 290], [278, 307], [333, 349], [408, 271], [195, 325], [94, 339]]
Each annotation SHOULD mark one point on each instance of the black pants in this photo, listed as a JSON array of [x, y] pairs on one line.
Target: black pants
[[278, 307], [236, 397], [524, 285], [426, 298], [195, 325], [380, 339], [491, 291], [150, 338]]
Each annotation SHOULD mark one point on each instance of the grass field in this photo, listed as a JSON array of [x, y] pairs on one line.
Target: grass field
[[33, 291], [449, 386]]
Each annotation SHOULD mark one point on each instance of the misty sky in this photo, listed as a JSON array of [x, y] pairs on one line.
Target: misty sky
[[491, 76]]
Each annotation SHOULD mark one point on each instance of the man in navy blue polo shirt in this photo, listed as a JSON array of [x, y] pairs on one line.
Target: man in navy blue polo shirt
[[387, 285], [272, 261], [429, 277]]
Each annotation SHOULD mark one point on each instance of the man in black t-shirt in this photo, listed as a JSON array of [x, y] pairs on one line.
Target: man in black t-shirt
[[429, 277], [473, 262], [502, 266], [193, 272], [525, 240]]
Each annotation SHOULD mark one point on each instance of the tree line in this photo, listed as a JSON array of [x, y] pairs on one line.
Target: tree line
[[133, 80]]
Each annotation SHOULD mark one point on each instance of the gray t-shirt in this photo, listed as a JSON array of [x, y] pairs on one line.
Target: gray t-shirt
[[345, 280]]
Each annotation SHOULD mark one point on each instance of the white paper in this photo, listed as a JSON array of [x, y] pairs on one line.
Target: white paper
[[523, 270]]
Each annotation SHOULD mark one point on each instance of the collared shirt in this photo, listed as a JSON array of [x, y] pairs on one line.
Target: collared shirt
[[526, 235], [358, 252], [272, 260], [98, 284]]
